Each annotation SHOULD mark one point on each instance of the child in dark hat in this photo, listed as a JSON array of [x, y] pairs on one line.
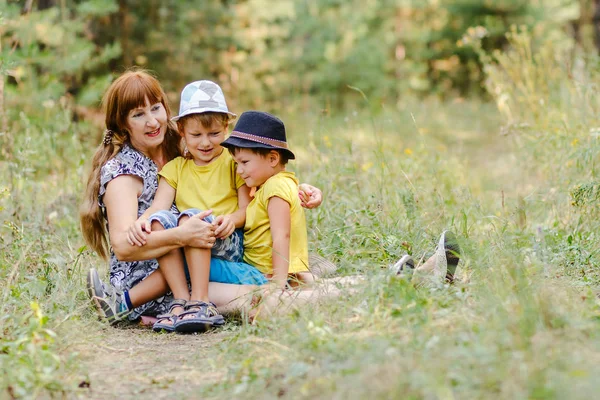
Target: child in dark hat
[[275, 238]]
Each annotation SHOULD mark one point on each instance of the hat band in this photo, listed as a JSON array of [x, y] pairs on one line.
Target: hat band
[[259, 139], [205, 104]]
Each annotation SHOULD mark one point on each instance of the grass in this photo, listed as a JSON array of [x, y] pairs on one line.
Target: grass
[[521, 322]]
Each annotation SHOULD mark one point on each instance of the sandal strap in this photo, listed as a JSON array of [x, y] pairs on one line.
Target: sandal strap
[[201, 306], [198, 303], [177, 303]]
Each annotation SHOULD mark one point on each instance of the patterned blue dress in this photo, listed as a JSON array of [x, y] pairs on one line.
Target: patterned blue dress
[[125, 275]]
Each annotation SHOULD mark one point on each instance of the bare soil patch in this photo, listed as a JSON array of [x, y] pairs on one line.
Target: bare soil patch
[[135, 362]]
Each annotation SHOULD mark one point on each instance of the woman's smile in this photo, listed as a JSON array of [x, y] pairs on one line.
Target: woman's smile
[[154, 133]]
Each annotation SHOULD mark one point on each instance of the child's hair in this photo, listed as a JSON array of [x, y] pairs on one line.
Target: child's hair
[[262, 151], [127, 92], [206, 119]]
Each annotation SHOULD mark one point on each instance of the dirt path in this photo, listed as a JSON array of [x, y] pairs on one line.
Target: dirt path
[[138, 363]]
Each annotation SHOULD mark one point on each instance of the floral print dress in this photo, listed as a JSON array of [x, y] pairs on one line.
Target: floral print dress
[[125, 275]]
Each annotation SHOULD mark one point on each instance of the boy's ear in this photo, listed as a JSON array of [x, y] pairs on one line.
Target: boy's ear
[[274, 158]]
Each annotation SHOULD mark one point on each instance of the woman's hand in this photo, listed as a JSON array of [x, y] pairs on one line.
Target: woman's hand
[[310, 196], [136, 234], [198, 233], [224, 226]]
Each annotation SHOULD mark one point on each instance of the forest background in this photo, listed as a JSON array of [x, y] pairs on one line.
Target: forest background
[[481, 116]]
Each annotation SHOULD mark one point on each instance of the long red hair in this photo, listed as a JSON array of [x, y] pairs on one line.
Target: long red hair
[[130, 90]]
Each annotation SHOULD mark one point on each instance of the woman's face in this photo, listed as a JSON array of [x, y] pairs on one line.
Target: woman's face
[[147, 126]]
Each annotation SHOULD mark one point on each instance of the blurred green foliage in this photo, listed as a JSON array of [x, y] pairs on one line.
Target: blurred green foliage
[[264, 53]]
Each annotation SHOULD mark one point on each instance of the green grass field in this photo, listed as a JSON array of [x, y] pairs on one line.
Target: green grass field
[[522, 320]]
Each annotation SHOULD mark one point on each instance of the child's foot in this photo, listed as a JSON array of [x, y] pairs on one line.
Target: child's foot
[[166, 322], [198, 317], [107, 300], [404, 266]]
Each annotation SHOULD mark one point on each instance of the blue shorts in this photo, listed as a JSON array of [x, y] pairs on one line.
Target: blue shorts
[[231, 248], [238, 273], [226, 264]]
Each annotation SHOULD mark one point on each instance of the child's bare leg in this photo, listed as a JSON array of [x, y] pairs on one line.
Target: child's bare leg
[[198, 261], [200, 314], [171, 266]]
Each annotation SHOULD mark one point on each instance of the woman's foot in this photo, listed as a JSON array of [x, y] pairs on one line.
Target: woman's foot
[[404, 266], [166, 322], [451, 252], [107, 300], [320, 266], [441, 266]]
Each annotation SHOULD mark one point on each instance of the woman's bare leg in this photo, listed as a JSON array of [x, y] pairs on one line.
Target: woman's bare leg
[[151, 288], [262, 301], [231, 298], [281, 302], [428, 273]]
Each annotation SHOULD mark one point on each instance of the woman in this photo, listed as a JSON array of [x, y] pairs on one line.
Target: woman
[[139, 140]]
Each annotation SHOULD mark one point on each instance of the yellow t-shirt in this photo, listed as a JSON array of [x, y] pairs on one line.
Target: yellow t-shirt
[[258, 243], [213, 186]]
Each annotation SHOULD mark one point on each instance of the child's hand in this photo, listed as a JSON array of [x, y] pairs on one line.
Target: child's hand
[[224, 226], [136, 235]]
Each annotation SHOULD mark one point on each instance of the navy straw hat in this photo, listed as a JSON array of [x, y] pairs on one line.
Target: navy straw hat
[[257, 129]]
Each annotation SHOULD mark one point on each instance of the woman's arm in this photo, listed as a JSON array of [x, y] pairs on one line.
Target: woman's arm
[[163, 200], [121, 201], [310, 196], [280, 221]]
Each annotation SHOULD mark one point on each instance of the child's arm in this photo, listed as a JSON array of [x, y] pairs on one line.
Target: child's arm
[[226, 224], [163, 199], [280, 221]]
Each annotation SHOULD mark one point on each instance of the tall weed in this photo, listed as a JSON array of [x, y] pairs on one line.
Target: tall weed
[[546, 88]]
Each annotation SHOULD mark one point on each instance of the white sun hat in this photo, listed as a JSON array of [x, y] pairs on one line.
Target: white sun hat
[[200, 97]]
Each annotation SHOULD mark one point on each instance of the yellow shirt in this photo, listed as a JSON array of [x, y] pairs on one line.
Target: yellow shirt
[[258, 243], [213, 186]]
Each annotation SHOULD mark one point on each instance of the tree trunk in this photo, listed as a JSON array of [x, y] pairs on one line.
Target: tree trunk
[[124, 19], [3, 119], [596, 24], [45, 4]]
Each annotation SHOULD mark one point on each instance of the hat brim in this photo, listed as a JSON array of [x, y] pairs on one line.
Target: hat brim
[[249, 144], [200, 110]]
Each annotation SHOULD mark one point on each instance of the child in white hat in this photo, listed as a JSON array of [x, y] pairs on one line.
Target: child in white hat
[[203, 180]]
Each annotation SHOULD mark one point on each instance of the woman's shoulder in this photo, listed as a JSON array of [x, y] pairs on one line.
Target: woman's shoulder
[[127, 161]]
